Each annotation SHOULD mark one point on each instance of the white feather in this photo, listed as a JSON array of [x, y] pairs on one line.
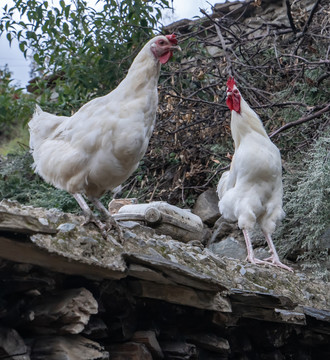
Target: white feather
[[100, 146], [251, 192]]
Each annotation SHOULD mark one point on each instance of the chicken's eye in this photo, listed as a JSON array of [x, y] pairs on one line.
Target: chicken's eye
[[161, 42], [235, 91]]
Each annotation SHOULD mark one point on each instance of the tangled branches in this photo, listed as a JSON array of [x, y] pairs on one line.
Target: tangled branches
[[279, 56]]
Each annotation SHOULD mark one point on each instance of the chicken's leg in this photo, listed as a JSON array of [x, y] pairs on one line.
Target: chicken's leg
[[90, 217], [274, 259], [111, 222], [250, 256]]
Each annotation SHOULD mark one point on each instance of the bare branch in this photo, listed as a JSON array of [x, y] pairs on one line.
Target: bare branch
[[301, 120], [223, 43], [288, 11], [308, 22], [193, 126]]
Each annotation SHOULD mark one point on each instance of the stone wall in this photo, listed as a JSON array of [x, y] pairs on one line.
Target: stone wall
[[68, 293]]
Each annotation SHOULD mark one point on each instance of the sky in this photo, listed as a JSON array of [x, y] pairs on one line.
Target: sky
[[20, 67]]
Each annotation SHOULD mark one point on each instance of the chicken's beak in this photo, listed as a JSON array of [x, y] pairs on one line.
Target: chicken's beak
[[175, 47]]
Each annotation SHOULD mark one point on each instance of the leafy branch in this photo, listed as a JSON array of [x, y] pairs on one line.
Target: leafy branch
[[72, 38]]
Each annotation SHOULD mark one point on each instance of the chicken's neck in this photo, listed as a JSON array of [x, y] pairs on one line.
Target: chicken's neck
[[143, 73], [245, 123]]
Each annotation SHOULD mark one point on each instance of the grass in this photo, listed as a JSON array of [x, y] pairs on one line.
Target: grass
[[18, 141]]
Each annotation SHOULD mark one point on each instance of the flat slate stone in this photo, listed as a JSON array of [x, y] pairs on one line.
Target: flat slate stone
[[23, 224], [67, 348]]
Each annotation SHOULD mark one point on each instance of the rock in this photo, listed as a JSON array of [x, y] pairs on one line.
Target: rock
[[74, 347], [210, 342], [260, 306], [166, 219], [145, 273], [179, 350], [116, 204], [261, 253], [129, 351], [122, 327], [206, 207], [228, 240], [148, 338], [48, 248], [25, 224], [180, 295], [178, 273], [67, 312], [12, 346], [54, 253], [223, 228], [320, 318], [230, 248], [66, 227], [292, 317], [224, 319], [17, 280], [96, 329]]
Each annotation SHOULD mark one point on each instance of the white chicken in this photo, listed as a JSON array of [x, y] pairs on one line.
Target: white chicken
[[100, 146], [251, 191]]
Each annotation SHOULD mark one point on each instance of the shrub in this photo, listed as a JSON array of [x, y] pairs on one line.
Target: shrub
[[19, 182], [15, 106], [307, 207]]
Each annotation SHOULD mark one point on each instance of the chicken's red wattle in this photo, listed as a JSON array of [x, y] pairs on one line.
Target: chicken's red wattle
[[229, 102], [234, 103], [237, 104], [165, 57]]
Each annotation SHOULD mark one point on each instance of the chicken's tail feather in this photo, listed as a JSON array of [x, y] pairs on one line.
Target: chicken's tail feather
[[33, 126], [42, 126], [37, 111]]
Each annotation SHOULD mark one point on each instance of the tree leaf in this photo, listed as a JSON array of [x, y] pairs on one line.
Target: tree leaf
[[66, 29], [9, 37]]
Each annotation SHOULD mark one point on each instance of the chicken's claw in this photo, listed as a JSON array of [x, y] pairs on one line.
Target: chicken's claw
[[105, 228], [269, 261], [253, 260], [112, 223], [274, 261]]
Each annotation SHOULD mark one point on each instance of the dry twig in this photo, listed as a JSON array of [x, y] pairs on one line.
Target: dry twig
[[193, 126], [302, 120]]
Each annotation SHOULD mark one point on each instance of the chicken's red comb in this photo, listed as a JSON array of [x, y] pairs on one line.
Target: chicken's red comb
[[172, 38], [231, 83]]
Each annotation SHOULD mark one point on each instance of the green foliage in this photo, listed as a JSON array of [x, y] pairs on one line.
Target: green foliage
[[307, 206], [87, 49], [18, 140], [15, 106], [80, 53], [18, 182]]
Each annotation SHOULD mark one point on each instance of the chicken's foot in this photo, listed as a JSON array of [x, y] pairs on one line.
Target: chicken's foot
[[274, 258], [90, 217], [110, 221], [250, 256]]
